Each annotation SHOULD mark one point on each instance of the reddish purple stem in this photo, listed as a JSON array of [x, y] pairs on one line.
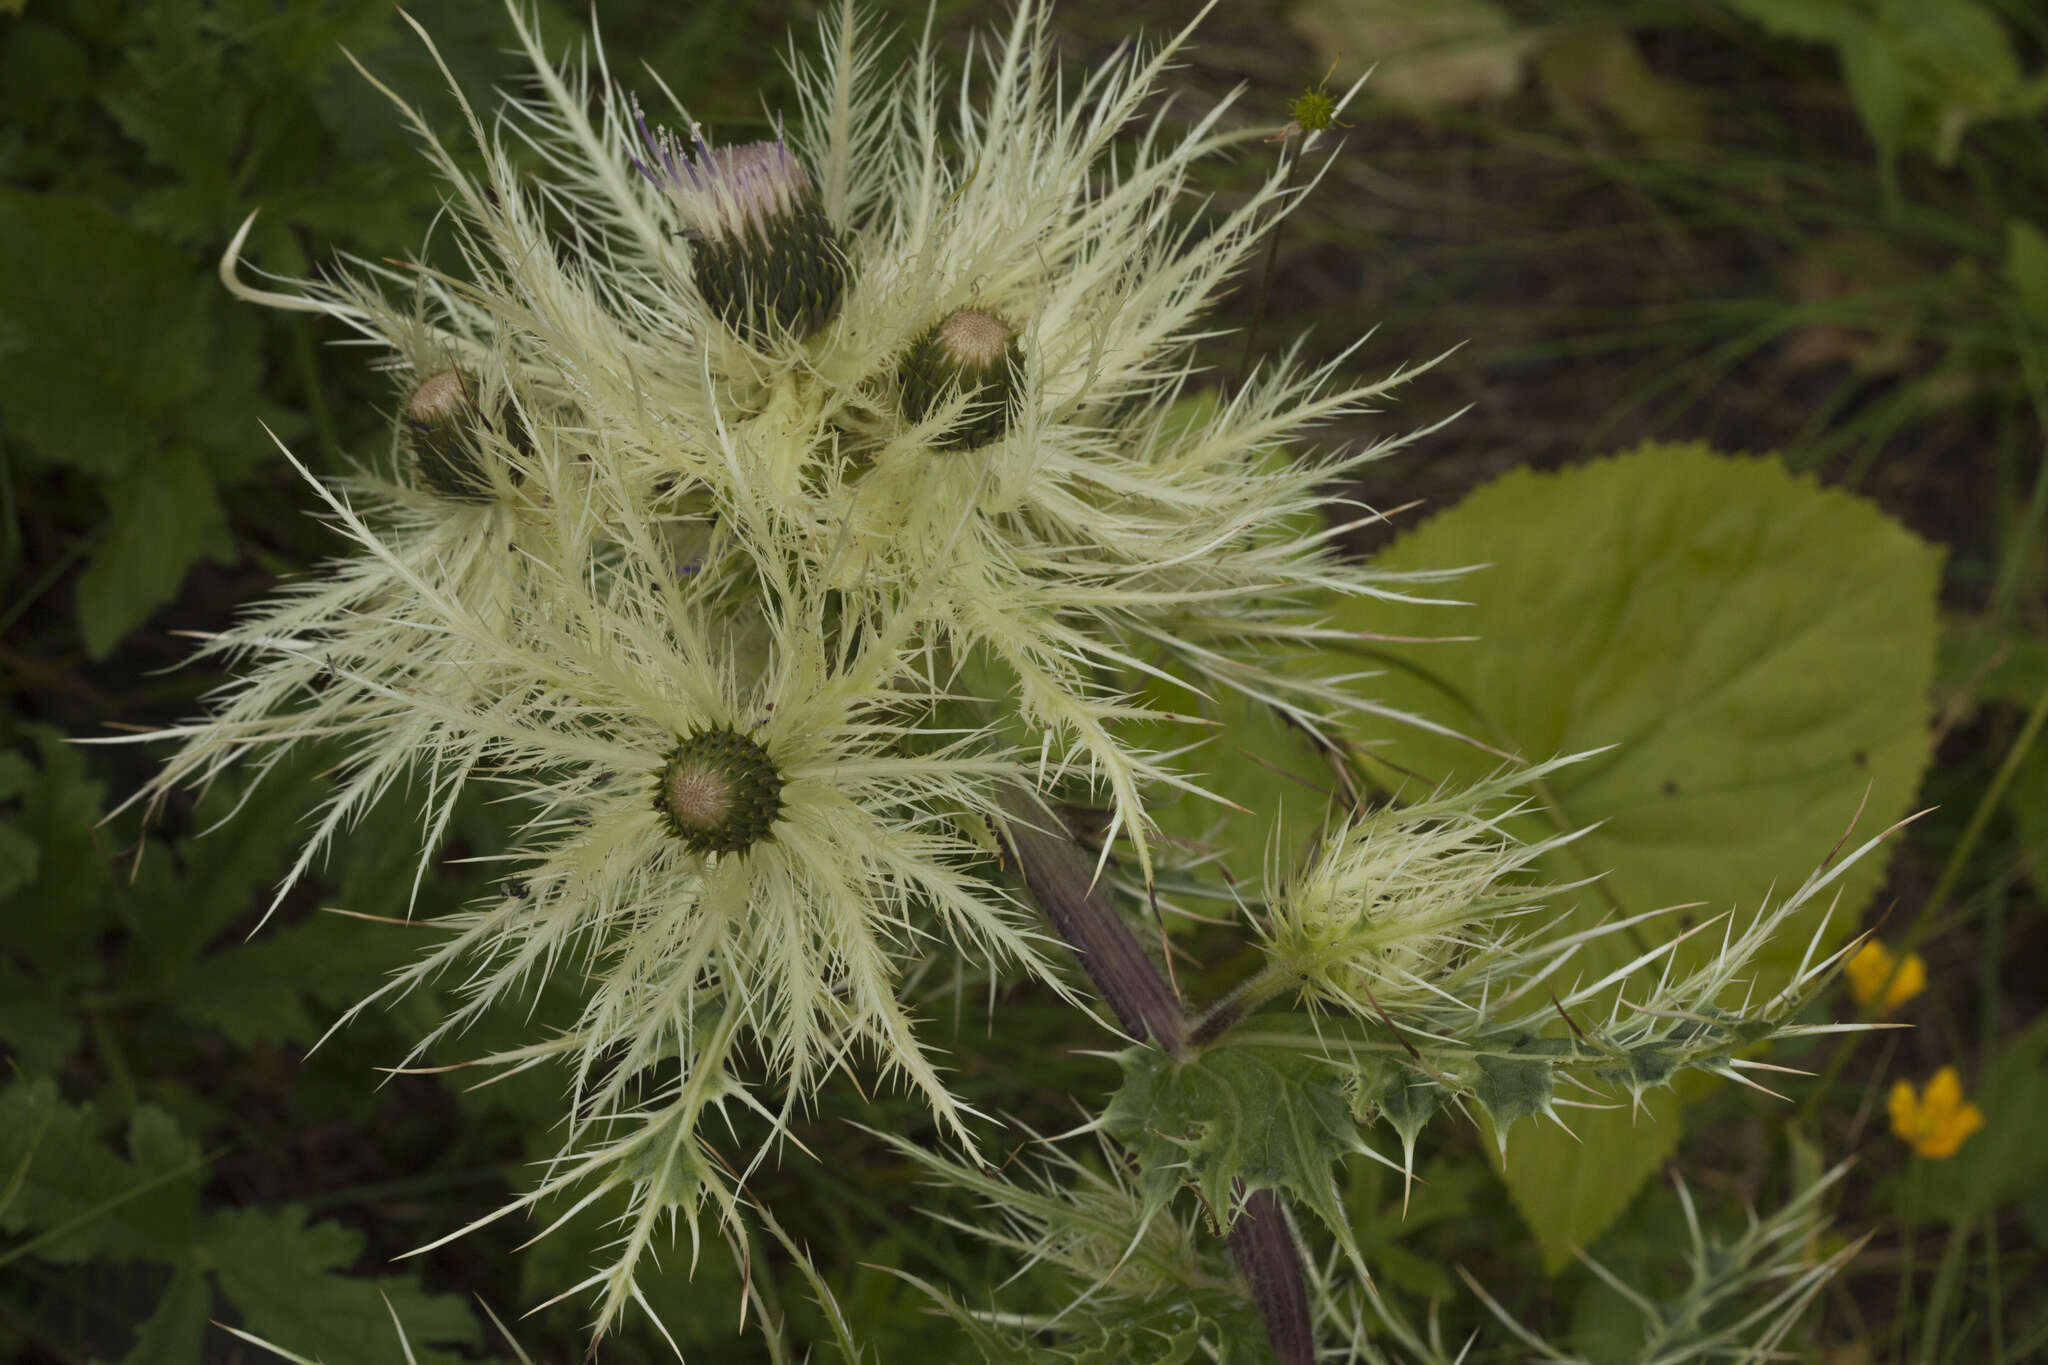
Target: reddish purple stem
[[1060, 879]]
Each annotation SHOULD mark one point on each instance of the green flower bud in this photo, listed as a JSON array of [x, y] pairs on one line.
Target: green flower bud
[[446, 428], [767, 260], [971, 351]]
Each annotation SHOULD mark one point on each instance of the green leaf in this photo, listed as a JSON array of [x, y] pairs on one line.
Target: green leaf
[[119, 329], [61, 912], [40, 1028], [2026, 265], [1248, 755], [164, 517], [1757, 649], [1569, 1186], [1426, 57], [19, 858], [172, 1334], [1272, 1119], [284, 1277], [1815, 20], [257, 991], [84, 1200], [1877, 84]]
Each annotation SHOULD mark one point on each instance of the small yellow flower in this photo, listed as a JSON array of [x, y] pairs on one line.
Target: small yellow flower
[[1937, 1120], [1872, 967]]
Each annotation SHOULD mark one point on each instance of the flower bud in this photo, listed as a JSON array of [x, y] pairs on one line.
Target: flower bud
[[719, 791], [446, 427], [767, 259], [971, 351]]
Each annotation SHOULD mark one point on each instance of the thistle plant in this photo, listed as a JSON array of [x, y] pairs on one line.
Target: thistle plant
[[795, 531]]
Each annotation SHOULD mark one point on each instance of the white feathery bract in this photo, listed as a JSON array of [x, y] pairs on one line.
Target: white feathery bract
[[680, 493]]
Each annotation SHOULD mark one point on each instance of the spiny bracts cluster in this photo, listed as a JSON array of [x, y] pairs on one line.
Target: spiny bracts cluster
[[772, 521]]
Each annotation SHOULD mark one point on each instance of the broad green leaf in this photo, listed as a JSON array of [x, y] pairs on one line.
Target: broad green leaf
[[40, 1027], [83, 1198], [285, 1277], [1877, 82], [1427, 57], [56, 916], [259, 990], [1247, 755], [19, 858], [1271, 1119], [164, 517], [1758, 651], [1570, 1186], [1584, 69], [1817, 20]]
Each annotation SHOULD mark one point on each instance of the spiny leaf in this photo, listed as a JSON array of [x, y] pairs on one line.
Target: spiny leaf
[[1757, 649], [1229, 1116]]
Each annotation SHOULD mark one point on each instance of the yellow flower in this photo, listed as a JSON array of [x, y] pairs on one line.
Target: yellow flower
[[1935, 1121], [1872, 967]]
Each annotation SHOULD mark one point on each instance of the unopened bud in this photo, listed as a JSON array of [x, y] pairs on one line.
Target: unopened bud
[[767, 259], [448, 433], [973, 352]]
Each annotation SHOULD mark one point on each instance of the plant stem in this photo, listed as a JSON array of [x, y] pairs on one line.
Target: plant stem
[[1059, 878], [1251, 332], [1247, 996]]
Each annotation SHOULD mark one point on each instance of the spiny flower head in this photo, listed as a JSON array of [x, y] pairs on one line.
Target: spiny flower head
[[719, 791], [765, 256], [973, 353], [451, 436], [1396, 898]]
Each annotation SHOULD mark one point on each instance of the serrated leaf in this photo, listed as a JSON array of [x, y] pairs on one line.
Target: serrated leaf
[[284, 1276], [19, 859], [164, 517], [81, 1198], [119, 330], [258, 991], [172, 1333], [1756, 648], [1259, 1117], [40, 1028], [61, 911]]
